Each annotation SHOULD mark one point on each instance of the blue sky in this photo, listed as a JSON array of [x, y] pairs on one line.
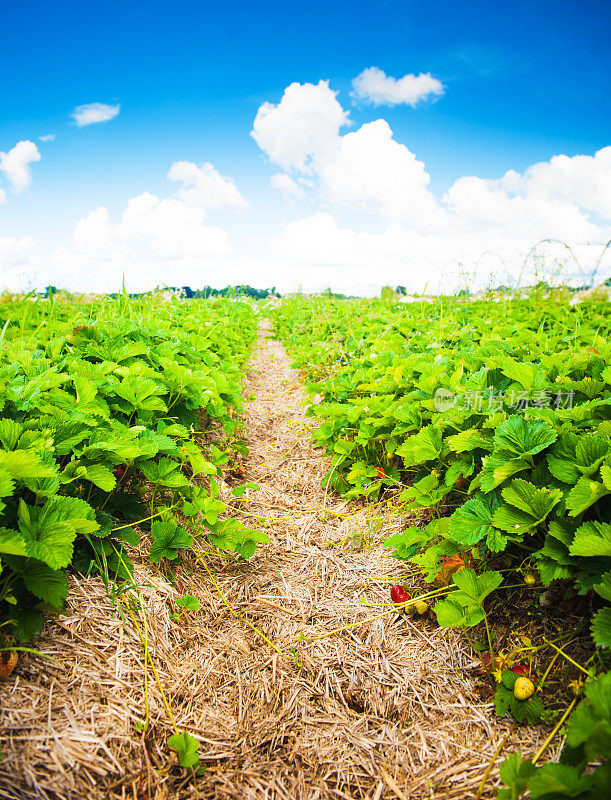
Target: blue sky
[[522, 82]]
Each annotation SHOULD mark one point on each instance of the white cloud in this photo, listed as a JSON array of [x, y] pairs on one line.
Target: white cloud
[[2, 197], [16, 164], [18, 268], [290, 189], [48, 137], [89, 113], [205, 187], [373, 171], [374, 86], [156, 241], [302, 131]]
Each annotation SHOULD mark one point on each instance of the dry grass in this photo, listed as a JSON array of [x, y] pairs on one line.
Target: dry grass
[[382, 710]]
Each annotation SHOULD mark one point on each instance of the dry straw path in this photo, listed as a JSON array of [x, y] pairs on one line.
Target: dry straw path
[[382, 710]]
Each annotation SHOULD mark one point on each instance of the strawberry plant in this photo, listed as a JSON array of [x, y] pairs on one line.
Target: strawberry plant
[[101, 408]]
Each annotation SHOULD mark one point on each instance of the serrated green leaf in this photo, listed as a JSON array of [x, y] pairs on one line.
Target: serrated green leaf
[[186, 748], [50, 585], [518, 436], [604, 587], [558, 780], [515, 774], [100, 476], [425, 446], [535, 501], [584, 494], [7, 484], [165, 472], [468, 440], [590, 724], [498, 467], [592, 539], [168, 539], [601, 627], [188, 601], [12, 543], [590, 453], [473, 520], [21, 464]]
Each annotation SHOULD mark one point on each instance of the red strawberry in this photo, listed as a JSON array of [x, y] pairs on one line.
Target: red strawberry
[[119, 472], [398, 594], [523, 671]]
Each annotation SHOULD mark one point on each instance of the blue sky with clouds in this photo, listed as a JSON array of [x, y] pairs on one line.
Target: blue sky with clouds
[[521, 83]]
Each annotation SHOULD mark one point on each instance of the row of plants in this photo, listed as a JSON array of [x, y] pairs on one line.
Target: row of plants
[[102, 407], [492, 420]]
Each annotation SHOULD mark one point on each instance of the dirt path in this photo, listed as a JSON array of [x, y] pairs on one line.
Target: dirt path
[[382, 710]]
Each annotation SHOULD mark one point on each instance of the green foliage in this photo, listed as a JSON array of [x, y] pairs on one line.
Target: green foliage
[[491, 414], [465, 607], [99, 404], [588, 742], [186, 749], [529, 710]]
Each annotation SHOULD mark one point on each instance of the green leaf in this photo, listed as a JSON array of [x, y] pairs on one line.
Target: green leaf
[[529, 711], [526, 506], [100, 475], [468, 440], [406, 543], [601, 627], [562, 459], [426, 445], [591, 452], [590, 724], [7, 484], [165, 472], [28, 623], [498, 468], [518, 436], [583, 495], [186, 748], [515, 774], [473, 520], [451, 614], [592, 539], [168, 539], [475, 588], [188, 601], [604, 587], [25, 464], [12, 543], [531, 499], [48, 584], [558, 780]]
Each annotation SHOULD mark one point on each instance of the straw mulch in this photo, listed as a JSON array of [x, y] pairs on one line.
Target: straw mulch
[[386, 709]]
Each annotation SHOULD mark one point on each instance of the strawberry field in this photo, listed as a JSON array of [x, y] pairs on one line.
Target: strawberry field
[[490, 420], [102, 405], [468, 440]]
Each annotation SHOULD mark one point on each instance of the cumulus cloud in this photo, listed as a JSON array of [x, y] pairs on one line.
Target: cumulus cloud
[[48, 137], [205, 187], [90, 113], [290, 189], [373, 171], [375, 87], [302, 131], [2, 197], [16, 164], [477, 223], [155, 241]]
